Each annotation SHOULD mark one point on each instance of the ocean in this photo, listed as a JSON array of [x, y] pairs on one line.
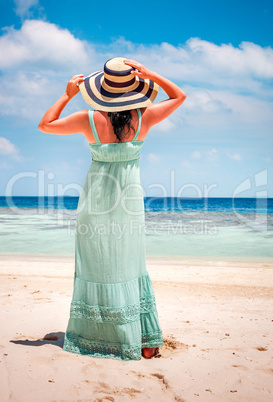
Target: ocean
[[192, 228]]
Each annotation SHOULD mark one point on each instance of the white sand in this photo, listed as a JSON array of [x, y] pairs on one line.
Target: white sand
[[216, 318]]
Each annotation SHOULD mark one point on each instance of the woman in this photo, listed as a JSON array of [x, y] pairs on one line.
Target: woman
[[113, 311]]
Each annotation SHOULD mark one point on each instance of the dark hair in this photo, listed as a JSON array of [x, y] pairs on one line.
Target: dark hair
[[119, 120]]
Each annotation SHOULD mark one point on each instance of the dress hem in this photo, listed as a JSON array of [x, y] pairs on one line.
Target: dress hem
[[99, 349]]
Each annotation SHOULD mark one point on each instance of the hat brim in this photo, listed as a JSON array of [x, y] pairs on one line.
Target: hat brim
[[100, 97]]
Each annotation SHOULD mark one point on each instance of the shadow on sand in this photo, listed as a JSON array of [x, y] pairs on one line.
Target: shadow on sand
[[53, 338]]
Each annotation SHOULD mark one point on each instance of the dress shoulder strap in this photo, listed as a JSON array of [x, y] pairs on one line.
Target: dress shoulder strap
[[139, 125], [93, 127]]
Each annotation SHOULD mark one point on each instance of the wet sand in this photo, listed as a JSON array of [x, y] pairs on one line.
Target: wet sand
[[216, 318]]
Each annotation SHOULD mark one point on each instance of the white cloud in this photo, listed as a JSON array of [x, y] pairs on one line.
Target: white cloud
[[235, 157], [248, 58], [153, 158], [226, 108], [39, 43], [203, 62], [81, 161], [28, 97], [186, 164], [166, 125], [246, 108], [9, 149], [6, 147], [197, 60], [195, 155], [212, 155], [4, 165], [225, 85], [200, 100], [39, 60], [23, 7], [41, 57]]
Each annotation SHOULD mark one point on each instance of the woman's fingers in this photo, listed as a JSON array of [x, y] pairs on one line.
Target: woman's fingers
[[132, 63], [77, 77], [79, 80], [129, 61], [141, 72], [72, 87], [138, 73]]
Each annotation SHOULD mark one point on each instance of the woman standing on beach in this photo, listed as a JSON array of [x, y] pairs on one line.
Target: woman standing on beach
[[113, 311]]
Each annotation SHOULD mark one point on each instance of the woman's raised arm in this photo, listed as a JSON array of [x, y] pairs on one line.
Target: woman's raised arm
[[159, 111], [75, 123]]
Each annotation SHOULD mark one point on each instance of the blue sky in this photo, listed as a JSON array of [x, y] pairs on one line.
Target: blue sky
[[218, 143]]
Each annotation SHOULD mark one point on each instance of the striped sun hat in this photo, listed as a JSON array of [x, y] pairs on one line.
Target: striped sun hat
[[115, 89]]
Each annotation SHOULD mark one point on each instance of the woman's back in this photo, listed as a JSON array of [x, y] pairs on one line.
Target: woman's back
[[110, 151], [105, 130]]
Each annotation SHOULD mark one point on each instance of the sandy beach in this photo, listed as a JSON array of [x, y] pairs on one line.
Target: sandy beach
[[216, 318]]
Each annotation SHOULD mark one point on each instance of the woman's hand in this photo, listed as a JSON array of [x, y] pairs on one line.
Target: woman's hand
[[51, 123], [157, 112], [72, 87], [142, 72]]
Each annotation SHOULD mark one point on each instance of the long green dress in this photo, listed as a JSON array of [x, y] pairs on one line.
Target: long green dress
[[113, 311]]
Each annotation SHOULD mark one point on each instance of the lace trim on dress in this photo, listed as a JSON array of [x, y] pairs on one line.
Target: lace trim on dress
[[152, 340], [76, 344], [116, 315]]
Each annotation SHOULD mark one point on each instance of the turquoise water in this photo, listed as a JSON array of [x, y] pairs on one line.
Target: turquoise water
[[152, 204], [214, 231]]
